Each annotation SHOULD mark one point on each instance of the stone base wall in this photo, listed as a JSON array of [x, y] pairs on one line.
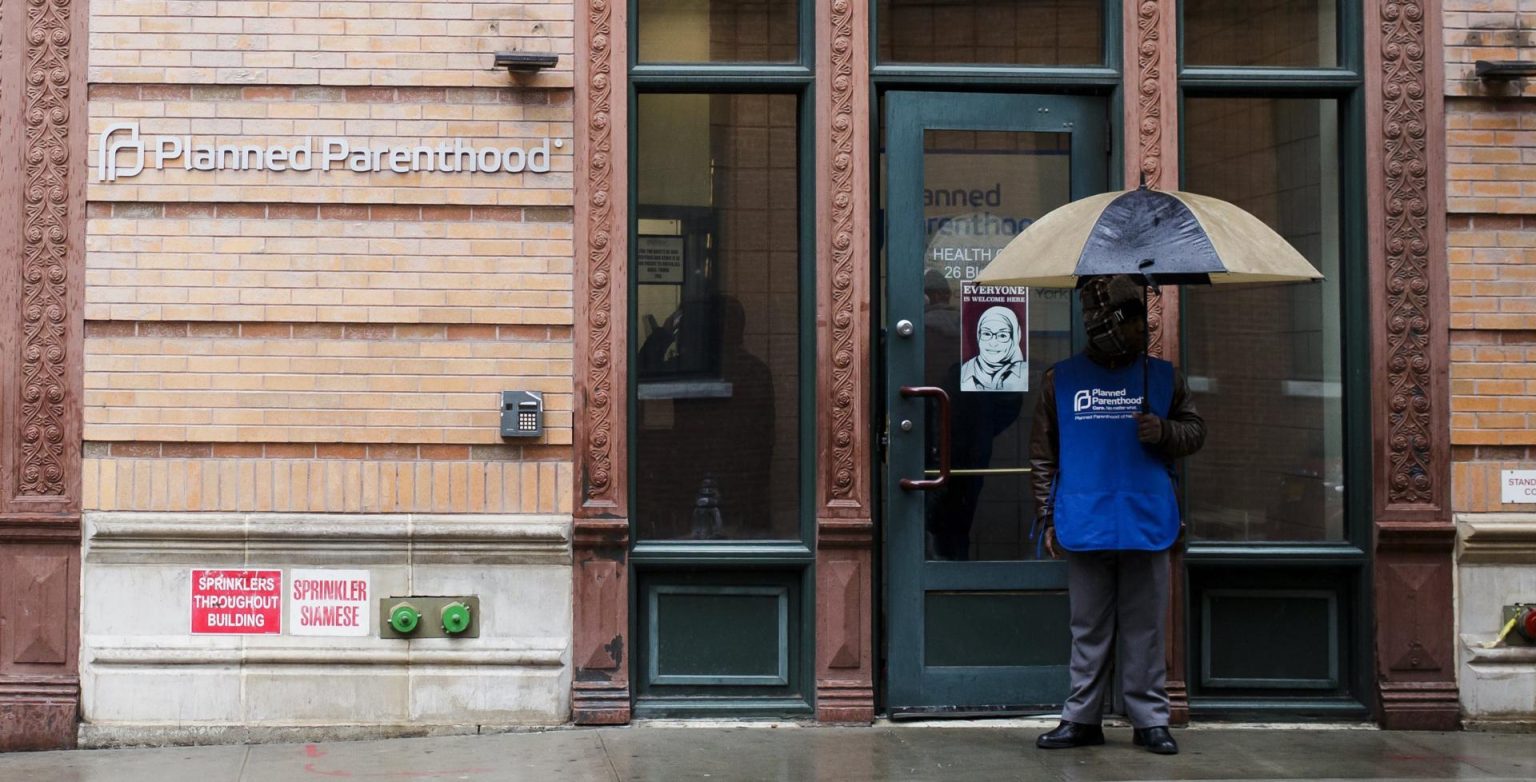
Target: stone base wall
[[147, 680], [1496, 567]]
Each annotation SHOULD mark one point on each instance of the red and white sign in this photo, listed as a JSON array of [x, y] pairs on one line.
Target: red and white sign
[[237, 602], [329, 602], [1519, 486]]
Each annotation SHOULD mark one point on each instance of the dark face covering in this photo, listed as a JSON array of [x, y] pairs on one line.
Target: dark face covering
[[1114, 315]]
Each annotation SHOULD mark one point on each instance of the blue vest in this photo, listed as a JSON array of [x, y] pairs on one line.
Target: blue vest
[[1112, 492]]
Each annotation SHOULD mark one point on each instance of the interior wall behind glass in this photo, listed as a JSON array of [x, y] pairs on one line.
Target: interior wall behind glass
[[717, 318], [676, 31], [1266, 33], [998, 32], [1265, 361]]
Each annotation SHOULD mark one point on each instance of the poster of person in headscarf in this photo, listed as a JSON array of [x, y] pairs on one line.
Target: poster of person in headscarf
[[994, 345]]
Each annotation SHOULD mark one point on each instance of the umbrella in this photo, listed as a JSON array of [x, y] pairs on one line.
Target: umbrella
[[1163, 237]]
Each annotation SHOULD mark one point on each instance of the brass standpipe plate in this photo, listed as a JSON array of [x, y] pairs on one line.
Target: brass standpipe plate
[[451, 616]]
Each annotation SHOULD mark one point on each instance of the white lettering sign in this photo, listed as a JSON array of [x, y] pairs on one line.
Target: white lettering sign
[[329, 602], [1519, 486], [123, 152]]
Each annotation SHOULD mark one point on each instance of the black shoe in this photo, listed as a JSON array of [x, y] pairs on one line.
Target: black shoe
[[1071, 734], [1157, 740]]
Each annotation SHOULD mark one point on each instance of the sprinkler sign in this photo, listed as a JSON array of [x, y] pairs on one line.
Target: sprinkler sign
[[237, 602], [329, 602]]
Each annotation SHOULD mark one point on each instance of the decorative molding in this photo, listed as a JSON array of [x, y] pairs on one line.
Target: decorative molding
[[38, 712], [1433, 705], [1474, 653], [50, 348], [1418, 536], [1407, 216], [1153, 116], [1497, 538], [1152, 155], [178, 652], [600, 535], [845, 641], [1415, 540], [845, 532], [602, 228], [843, 242], [142, 538]]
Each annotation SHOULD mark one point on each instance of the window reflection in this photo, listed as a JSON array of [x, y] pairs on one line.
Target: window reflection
[[1269, 33], [1264, 361], [716, 318], [675, 31], [1000, 32]]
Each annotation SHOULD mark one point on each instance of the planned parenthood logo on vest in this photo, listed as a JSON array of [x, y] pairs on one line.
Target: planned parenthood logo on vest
[[1104, 404]]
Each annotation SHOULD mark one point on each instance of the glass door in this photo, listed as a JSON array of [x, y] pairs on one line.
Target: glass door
[[976, 611]]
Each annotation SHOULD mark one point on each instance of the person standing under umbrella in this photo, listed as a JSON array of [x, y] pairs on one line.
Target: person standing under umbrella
[[1108, 424]]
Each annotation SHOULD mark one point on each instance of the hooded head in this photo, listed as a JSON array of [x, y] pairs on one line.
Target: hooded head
[[1114, 315]]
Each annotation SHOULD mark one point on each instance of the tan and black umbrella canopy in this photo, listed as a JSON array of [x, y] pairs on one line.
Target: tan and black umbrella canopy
[[1168, 237]]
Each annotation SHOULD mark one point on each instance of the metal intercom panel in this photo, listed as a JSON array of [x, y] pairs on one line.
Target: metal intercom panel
[[522, 413]]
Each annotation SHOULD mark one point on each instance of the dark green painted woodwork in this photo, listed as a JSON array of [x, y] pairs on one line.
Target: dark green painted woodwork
[[732, 634], [996, 628], [1270, 638], [1034, 675], [719, 635]]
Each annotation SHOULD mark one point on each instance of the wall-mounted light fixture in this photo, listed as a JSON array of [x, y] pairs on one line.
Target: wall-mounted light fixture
[[525, 62], [1504, 70]]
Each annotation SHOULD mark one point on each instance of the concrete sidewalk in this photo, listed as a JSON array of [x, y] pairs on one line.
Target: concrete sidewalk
[[885, 752]]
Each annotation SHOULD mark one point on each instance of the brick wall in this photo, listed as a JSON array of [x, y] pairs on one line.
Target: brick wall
[[337, 341], [1491, 236]]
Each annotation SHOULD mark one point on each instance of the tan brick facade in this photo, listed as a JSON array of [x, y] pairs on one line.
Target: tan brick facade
[[1491, 234], [308, 341]]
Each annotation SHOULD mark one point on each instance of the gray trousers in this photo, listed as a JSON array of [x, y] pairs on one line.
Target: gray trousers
[[1119, 603]]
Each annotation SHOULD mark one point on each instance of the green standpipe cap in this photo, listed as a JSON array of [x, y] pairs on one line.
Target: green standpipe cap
[[455, 618], [404, 618]]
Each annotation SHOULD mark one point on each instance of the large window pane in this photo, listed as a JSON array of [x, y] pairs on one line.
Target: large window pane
[[672, 31], [996, 32], [1275, 33], [717, 318], [1264, 360]]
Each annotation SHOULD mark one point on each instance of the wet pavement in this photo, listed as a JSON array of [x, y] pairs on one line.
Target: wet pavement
[[789, 752]]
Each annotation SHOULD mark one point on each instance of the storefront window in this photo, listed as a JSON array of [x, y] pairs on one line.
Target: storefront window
[[1273, 33], [992, 32], [683, 31], [717, 317], [1264, 361]]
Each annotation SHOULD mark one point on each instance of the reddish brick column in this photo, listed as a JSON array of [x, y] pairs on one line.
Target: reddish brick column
[[845, 539], [42, 270], [1410, 418], [1152, 155], [600, 643]]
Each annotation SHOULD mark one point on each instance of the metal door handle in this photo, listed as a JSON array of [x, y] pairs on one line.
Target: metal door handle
[[910, 484]]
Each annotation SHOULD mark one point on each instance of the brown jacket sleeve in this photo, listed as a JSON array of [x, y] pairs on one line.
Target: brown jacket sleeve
[[1183, 434]]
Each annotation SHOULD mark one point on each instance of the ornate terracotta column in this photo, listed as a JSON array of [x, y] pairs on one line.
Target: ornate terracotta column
[[1151, 144], [1410, 358], [845, 538], [42, 270], [600, 538]]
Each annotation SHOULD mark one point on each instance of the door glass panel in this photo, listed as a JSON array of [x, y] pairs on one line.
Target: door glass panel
[[1274, 33], [673, 31], [987, 346], [992, 32], [1264, 361], [717, 318]]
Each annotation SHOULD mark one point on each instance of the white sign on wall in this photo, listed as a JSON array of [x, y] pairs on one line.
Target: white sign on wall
[[123, 152], [1519, 486], [329, 602]]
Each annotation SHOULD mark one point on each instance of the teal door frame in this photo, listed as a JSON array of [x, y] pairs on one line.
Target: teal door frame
[[911, 685]]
